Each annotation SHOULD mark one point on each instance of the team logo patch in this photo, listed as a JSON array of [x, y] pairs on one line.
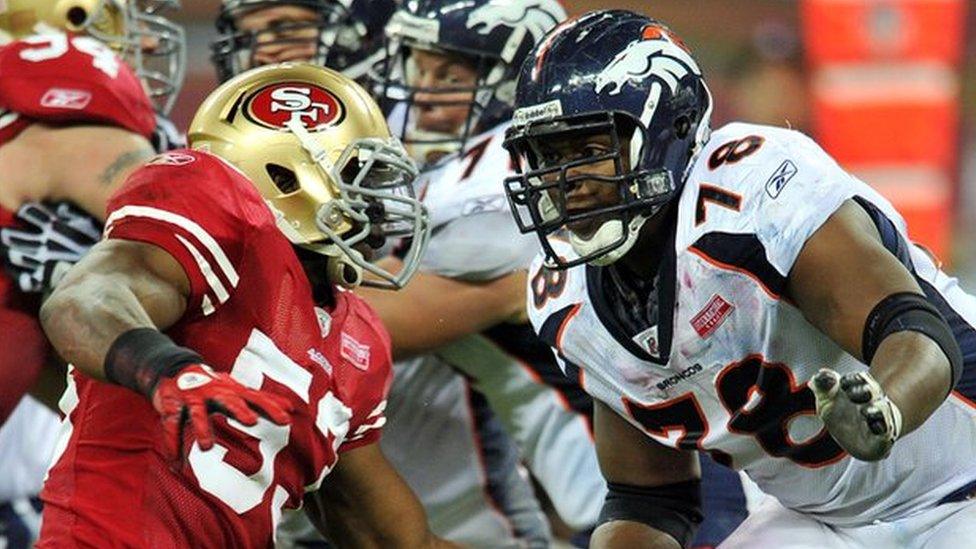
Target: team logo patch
[[172, 159], [712, 316], [780, 178], [355, 352], [275, 105], [64, 98]]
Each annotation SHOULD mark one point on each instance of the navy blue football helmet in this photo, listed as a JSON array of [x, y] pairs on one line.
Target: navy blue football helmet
[[495, 36], [349, 34], [629, 79]]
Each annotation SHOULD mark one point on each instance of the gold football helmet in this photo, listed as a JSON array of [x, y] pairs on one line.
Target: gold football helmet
[[152, 45], [317, 147]]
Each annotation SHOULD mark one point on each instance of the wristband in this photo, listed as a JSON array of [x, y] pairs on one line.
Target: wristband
[[139, 357]]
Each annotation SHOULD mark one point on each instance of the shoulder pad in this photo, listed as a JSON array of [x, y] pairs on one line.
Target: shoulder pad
[[471, 183], [364, 326], [551, 294], [195, 184], [64, 78], [203, 213], [772, 185]]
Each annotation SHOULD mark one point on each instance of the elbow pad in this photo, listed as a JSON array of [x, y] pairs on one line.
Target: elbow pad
[[910, 312], [674, 509]]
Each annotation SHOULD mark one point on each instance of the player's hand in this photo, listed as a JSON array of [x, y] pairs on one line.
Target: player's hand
[[857, 413], [53, 238], [196, 391]]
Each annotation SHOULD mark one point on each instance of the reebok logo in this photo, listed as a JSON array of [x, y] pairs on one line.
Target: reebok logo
[[63, 98], [780, 178]]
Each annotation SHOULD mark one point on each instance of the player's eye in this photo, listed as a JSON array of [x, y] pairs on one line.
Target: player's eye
[[593, 149]]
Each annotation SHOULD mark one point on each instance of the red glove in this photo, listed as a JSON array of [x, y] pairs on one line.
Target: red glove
[[196, 391]]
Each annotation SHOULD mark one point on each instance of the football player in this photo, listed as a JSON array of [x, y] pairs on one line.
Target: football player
[[736, 293], [217, 303], [476, 494], [75, 116], [344, 36], [457, 86], [451, 69], [80, 85]]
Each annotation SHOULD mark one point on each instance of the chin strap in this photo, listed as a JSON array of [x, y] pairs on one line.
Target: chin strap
[[609, 233]]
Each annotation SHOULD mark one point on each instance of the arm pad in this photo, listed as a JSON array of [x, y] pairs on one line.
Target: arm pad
[[674, 509], [908, 311]]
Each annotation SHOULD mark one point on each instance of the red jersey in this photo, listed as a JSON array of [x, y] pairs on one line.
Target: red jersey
[[63, 78], [55, 79], [251, 314]]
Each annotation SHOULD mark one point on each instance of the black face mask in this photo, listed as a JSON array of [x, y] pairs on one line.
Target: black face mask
[[316, 270]]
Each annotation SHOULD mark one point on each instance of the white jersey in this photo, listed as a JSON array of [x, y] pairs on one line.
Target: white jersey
[[474, 238], [473, 235], [27, 442], [725, 369]]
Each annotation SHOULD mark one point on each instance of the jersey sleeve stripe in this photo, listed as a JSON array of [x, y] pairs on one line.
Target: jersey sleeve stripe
[[207, 306], [224, 264], [552, 328], [742, 253], [212, 279], [7, 118]]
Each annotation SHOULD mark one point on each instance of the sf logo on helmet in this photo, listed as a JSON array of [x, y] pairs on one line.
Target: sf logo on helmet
[[276, 105]]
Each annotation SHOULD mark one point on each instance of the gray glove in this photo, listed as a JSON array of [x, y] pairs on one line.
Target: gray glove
[[52, 238], [857, 413]]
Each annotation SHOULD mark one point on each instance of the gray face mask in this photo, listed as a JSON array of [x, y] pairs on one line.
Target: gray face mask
[[151, 44]]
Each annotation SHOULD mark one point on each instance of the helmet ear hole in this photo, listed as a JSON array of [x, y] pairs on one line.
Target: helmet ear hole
[[76, 16], [284, 179]]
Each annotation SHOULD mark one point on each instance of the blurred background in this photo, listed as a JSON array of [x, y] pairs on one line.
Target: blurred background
[[888, 87]]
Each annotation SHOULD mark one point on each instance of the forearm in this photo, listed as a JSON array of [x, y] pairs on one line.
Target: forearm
[[365, 503], [343, 527], [115, 288], [83, 319], [628, 535], [433, 311], [915, 374]]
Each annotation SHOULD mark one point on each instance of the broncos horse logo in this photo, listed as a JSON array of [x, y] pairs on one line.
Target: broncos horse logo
[[658, 53], [536, 16]]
